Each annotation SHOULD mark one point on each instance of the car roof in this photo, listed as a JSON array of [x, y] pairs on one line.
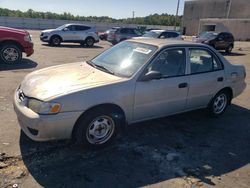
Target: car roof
[[164, 42], [78, 24]]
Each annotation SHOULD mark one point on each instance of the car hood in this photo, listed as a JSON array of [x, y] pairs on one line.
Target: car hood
[[13, 30], [49, 83], [48, 30]]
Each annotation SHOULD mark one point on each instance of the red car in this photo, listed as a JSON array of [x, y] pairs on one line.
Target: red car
[[13, 42]]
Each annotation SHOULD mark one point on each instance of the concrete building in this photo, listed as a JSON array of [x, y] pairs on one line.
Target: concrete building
[[217, 15]]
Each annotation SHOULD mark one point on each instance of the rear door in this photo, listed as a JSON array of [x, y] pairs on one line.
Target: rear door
[[206, 77], [82, 32], [168, 95]]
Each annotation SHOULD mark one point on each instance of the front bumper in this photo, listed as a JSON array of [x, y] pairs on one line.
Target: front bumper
[[44, 127], [29, 49], [44, 38]]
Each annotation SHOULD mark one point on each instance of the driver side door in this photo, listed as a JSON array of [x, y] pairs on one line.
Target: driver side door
[[167, 95], [69, 33]]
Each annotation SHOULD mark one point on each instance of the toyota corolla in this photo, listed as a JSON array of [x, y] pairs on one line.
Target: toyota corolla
[[136, 80]]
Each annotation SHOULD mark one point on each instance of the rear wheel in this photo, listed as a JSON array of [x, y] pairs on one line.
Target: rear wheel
[[90, 42], [219, 103], [55, 41], [10, 53], [97, 128]]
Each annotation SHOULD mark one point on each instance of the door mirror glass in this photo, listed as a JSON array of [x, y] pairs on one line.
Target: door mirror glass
[[152, 75]]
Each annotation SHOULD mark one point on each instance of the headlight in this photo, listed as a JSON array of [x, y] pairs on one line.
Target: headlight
[[41, 107], [27, 38]]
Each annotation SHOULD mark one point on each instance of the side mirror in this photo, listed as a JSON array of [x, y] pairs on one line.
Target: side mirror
[[66, 29], [151, 75], [162, 37]]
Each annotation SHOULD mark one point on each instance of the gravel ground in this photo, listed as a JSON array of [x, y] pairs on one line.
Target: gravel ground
[[187, 150]]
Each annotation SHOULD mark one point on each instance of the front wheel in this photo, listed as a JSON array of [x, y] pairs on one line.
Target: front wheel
[[97, 128], [219, 104], [10, 53], [55, 41], [229, 49]]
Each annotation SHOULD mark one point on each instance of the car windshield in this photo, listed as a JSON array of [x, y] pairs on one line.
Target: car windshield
[[151, 34], [61, 27], [124, 59], [208, 35]]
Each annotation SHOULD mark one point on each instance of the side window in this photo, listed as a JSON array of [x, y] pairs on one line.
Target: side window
[[124, 31], [81, 28], [203, 61], [165, 35], [221, 36], [170, 63], [71, 28]]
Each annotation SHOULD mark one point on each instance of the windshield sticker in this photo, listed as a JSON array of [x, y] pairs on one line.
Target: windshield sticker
[[142, 50]]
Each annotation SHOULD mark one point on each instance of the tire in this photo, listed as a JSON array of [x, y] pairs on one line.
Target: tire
[[55, 41], [10, 54], [97, 128], [219, 103], [90, 41], [229, 49]]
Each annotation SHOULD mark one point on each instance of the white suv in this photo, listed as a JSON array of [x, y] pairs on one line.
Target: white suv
[[76, 33]]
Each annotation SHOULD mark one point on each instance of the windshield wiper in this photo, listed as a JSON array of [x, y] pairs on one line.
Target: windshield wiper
[[104, 69], [100, 67]]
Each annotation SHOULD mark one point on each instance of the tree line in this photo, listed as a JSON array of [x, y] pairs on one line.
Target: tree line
[[155, 19]]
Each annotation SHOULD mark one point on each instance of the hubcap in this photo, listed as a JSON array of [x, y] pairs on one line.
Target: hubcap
[[56, 41], [10, 54], [100, 130], [89, 42], [220, 103]]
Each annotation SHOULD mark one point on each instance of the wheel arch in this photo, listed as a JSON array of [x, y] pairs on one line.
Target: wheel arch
[[56, 35], [121, 114], [12, 42], [229, 90]]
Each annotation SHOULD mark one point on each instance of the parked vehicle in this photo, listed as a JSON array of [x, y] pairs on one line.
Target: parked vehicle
[[104, 35], [163, 34], [75, 33], [220, 41], [14, 42], [121, 34], [135, 80]]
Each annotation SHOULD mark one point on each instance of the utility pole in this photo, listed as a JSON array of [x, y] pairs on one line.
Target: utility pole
[[177, 12], [229, 8], [133, 15]]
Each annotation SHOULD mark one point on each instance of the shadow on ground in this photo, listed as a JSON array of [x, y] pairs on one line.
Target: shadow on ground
[[24, 64], [73, 46], [232, 54], [206, 146]]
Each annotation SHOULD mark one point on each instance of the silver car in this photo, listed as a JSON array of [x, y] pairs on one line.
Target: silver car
[[75, 33], [117, 35], [163, 34], [134, 81]]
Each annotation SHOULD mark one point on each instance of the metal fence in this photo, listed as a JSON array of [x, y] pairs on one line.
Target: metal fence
[[35, 23]]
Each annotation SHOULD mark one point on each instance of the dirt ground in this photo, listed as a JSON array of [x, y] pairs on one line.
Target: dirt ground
[[187, 150]]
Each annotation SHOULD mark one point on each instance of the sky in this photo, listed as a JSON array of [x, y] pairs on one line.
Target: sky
[[111, 8]]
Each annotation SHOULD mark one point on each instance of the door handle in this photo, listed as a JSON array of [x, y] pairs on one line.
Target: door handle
[[183, 85], [220, 79]]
